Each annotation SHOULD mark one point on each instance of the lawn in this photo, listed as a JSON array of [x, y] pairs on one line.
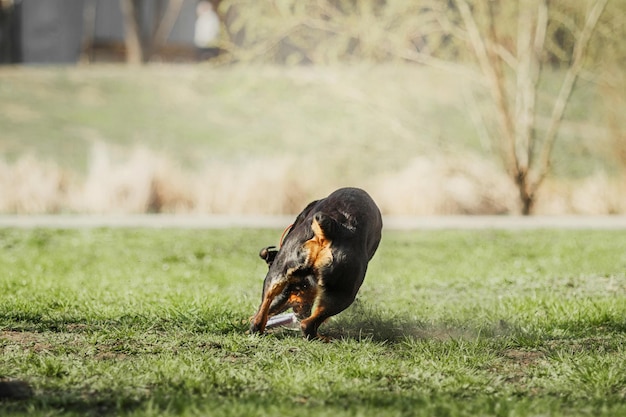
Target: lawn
[[138, 322]]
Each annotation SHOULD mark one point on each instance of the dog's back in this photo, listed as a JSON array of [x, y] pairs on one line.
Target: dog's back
[[358, 217], [354, 221]]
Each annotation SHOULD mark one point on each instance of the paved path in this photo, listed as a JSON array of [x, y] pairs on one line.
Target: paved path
[[279, 222]]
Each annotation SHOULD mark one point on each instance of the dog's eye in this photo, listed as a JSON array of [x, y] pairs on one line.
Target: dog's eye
[[303, 271], [300, 271]]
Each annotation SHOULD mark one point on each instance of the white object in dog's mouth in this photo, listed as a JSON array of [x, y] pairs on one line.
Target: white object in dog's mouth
[[285, 320]]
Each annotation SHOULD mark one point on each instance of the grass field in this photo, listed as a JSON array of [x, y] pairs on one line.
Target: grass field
[[138, 322]]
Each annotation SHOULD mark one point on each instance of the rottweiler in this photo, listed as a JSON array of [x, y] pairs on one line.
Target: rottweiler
[[322, 260]]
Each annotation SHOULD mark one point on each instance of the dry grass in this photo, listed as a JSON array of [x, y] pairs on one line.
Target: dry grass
[[32, 186], [597, 194], [446, 185], [145, 181]]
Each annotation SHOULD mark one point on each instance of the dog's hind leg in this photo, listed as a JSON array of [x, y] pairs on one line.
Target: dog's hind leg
[[326, 305]]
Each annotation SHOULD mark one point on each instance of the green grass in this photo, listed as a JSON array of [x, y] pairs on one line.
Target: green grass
[[152, 322]]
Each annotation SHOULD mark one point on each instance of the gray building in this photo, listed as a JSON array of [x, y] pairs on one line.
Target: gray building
[[65, 31]]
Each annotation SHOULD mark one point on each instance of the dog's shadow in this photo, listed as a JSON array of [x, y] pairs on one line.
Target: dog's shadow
[[362, 322]]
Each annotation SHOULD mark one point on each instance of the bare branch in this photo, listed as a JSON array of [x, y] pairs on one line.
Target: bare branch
[[166, 24], [567, 87], [491, 68], [541, 29], [524, 105], [529, 47], [505, 55], [132, 37], [452, 28], [476, 39], [433, 62]]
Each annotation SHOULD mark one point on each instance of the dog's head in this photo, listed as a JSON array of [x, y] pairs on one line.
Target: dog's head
[[305, 252]]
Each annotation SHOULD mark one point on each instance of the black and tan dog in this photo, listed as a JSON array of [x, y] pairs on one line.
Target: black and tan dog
[[322, 261]]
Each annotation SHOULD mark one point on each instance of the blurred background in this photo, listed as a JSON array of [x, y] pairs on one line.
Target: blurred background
[[248, 107]]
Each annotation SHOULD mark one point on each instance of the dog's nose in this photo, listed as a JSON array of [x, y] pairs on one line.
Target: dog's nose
[[254, 328]]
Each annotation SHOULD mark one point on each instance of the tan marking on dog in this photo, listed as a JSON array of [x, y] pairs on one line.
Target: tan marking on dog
[[260, 319], [318, 247]]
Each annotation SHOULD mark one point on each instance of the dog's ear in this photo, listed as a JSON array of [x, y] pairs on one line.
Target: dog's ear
[[318, 247], [268, 254], [324, 227]]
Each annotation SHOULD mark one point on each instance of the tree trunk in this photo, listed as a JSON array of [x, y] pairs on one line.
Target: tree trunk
[[132, 36], [526, 194], [163, 27]]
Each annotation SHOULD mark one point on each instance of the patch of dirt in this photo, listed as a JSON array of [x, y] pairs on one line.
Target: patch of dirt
[[584, 345], [77, 327], [514, 364], [109, 356], [27, 340], [49, 342], [524, 358]]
